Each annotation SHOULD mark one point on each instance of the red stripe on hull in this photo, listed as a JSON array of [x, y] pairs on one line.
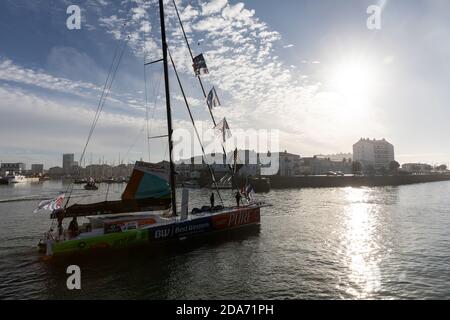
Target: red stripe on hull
[[237, 218]]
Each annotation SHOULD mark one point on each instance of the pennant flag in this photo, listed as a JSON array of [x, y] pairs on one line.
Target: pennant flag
[[199, 65], [213, 100], [223, 130], [50, 205]]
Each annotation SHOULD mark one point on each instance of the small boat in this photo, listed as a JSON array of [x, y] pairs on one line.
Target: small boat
[[191, 184], [260, 185], [13, 179], [147, 210], [110, 180], [91, 186]]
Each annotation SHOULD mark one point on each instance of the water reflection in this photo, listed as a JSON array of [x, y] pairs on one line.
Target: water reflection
[[361, 248]]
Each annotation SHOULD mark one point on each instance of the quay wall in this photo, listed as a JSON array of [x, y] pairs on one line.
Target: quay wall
[[352, 181]]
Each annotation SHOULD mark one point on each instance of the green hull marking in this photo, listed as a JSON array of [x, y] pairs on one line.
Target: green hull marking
[[113, 241]]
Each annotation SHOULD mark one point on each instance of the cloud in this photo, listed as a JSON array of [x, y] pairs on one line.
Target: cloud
[[213, 6], [189, 13], [257, 89], [36, 80], [17, 74], [48, 127]]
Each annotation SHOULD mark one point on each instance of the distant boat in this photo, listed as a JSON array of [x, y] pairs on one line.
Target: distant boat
[[121, 180], [13, 179], [90, 185], [226, 183], [260, 185], [110, 180], [191, 184]]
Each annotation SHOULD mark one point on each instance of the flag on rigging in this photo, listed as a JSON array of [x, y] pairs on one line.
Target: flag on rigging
[[199, 65], [223, 130], [50, 205], [213, 100]]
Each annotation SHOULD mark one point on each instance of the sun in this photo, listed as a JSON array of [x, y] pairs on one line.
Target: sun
[[354, 80]]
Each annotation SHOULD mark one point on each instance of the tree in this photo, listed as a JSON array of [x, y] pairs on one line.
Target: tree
[[370, 170], [442, 168], [394, 166], [356, 167]]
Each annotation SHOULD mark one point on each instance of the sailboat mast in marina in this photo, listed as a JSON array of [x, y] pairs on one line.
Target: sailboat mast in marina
[[169, 112], [140, 216]]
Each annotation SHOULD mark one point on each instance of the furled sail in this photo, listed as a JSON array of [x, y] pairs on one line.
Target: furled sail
[[147, 190]]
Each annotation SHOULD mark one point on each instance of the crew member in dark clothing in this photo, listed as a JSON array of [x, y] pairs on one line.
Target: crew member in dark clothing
[[211, 199], [60, 217], [73, 228], [238, 199]]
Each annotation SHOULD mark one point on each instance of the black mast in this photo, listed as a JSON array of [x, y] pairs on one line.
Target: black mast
[[169, 113]]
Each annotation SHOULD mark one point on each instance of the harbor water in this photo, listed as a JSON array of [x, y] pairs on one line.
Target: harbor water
[[337, 243]]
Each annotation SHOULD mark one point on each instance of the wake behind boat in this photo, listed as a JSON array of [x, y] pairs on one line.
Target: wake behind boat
[[147, 211]]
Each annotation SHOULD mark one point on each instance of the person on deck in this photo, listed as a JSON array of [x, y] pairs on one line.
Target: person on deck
[[59, 213], [73, 228], [211, 199], [238, 199]]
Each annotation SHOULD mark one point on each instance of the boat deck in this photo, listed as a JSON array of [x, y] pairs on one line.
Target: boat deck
[[107, 224]]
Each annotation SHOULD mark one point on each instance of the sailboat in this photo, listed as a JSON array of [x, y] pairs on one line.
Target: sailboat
[[147, 211]]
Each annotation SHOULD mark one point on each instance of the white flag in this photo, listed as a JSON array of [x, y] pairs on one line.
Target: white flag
[[223, 130], [50, 205]]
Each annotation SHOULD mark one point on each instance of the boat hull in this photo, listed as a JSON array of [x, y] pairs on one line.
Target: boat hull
[[179, 230]]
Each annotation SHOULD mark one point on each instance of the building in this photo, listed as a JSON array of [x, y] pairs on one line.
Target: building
[[247, 162], [37, 168], [56, 172], [320, 165], [102, 171], [68, 163], [417, 168], [337, 157], [289, 164], [18, 168], [375, 153]]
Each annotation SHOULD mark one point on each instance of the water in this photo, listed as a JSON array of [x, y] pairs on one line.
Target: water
[[365, 243]]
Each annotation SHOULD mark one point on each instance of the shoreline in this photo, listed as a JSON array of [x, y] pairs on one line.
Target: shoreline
[[352, 181]]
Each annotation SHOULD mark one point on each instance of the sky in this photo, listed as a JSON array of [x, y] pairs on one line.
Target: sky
[[310, 70]]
